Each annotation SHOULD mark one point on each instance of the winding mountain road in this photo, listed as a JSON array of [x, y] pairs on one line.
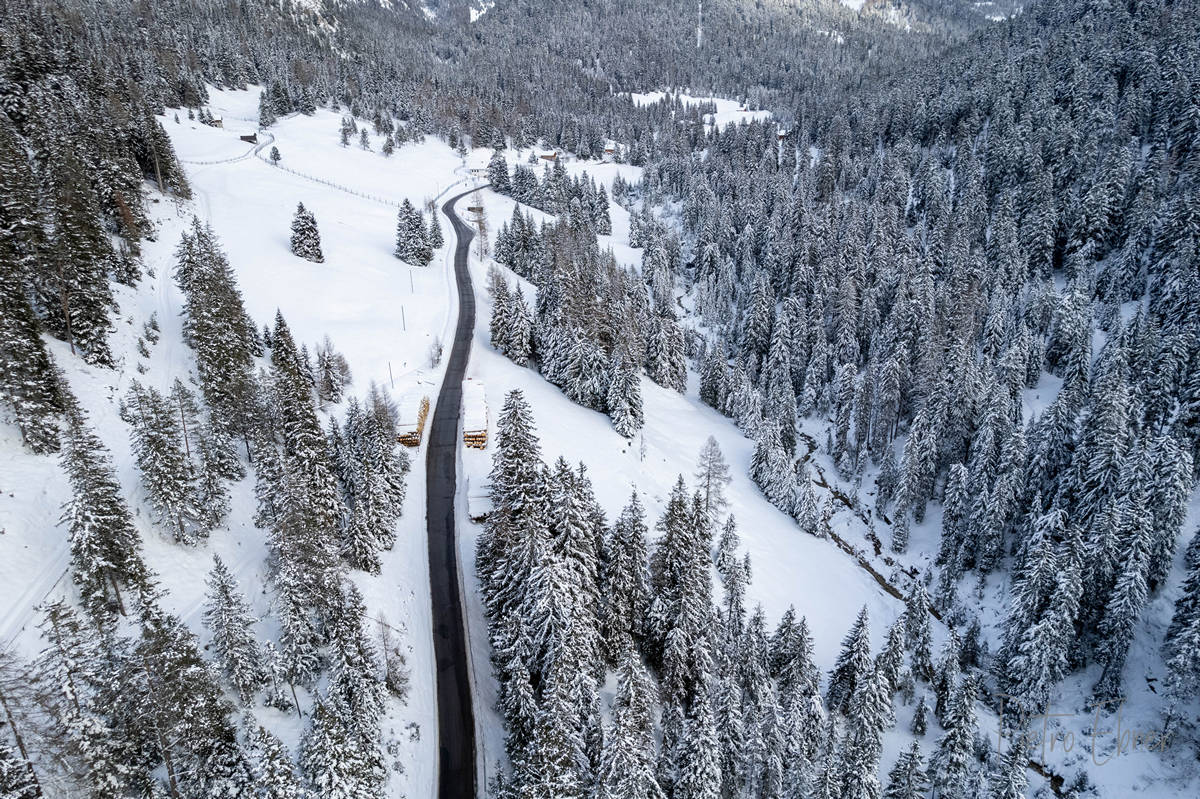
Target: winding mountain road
[[456, 719]]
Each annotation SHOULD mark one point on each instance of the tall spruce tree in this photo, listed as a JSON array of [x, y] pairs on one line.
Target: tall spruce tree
[[306, 239], [229, 621], [853, 663], [623, 583], [105, 546]]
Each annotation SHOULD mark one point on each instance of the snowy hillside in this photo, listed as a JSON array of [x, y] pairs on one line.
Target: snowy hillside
[[383, 315], [791, 569]]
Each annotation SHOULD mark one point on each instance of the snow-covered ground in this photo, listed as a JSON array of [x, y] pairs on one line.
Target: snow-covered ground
[[729, 112], [382, 314], [481, 7]]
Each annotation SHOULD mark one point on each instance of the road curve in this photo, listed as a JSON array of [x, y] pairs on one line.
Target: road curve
[[456, 719]]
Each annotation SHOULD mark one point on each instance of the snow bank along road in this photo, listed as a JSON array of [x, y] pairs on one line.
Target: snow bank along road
[[456, 719]]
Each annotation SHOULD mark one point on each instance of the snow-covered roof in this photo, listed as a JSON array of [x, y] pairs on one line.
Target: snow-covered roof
[[408, 407], [474, 398]]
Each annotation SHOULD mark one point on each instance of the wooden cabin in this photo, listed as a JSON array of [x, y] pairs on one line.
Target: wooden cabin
[[475, 414], [412, 410], [549, 156], [250, 139]]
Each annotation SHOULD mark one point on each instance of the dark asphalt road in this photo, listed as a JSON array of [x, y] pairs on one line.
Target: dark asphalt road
[[456, 719]]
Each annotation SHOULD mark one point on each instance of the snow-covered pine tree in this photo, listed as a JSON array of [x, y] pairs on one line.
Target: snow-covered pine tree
[[354, 682], [196, 741], [1170, 485], [870, 713], [1009, 779], [664, 354], [725, 558], [308, 465], [497, 173], [623, 582], [220, 332], [771, 469], [681, 590], [1130, 592], [501, 321], [306, 239], [520, 333], [1041, 651], [412, 240], [17, 781], [699, 768], [852, 665], [373, 476], [952, 759], [1187, 606], [168, 475], [920, 719], [556, 764], [332, 372], [627, 766], [71, 282], [29, 382], [729, 713], [917, 631], [105, 546], [624, 399], [714, 378], [804, 502], [215, 459], [516, 488], [891, 658], [330, 759], [266, 110], [907, 778], [274, 772], [73, 673], [945, 675], [228, 619]]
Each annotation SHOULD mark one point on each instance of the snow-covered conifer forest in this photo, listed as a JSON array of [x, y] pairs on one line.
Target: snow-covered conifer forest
[[828, 372]]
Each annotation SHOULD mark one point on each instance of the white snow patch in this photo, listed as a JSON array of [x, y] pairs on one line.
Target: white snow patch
[[481, 7], [728, 111]]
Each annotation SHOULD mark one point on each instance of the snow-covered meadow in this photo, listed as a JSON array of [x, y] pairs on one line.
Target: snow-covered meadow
[[729, 112]]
